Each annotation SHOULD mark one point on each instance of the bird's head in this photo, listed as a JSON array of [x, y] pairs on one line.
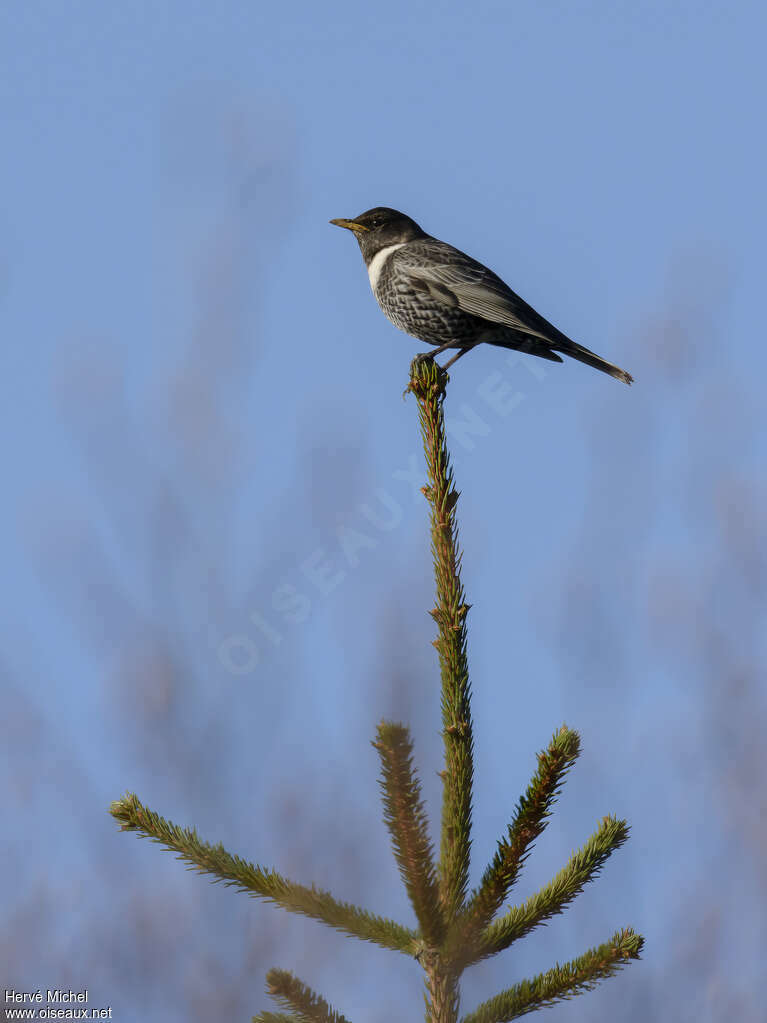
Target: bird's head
[[380, 227]]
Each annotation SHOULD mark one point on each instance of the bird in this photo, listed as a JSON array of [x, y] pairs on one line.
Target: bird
[[438, 294]]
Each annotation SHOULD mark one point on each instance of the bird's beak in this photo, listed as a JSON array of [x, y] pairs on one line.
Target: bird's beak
[[350, 225]]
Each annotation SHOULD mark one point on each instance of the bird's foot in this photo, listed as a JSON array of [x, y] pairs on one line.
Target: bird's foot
[[425, 372]]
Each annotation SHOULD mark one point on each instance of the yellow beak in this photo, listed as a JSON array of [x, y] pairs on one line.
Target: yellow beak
[[350, 225]]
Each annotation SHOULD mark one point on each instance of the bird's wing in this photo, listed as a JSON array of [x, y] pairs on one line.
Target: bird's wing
[[454, 278]]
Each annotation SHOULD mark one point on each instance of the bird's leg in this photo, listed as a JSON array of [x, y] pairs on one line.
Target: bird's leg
[[456, 357], [438, 351]]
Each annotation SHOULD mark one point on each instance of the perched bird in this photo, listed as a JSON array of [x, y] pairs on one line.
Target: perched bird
[[444, 297]]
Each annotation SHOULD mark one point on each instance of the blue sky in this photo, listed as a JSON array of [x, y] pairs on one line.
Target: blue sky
[[203, 404]]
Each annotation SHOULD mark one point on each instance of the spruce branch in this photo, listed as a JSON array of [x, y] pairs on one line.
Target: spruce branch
[[561, 982], [582, 867], [408, 826], [427, 383], [254, 880], [530, 819], [307, 1005], [454, 931]]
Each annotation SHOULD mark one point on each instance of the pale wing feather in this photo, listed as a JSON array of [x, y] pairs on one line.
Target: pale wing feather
[[476, 289]]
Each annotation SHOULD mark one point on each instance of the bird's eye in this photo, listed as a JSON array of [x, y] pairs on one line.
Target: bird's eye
[[377, 221]]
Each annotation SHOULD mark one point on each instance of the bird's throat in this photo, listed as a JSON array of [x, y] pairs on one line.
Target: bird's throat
[[376, 264]]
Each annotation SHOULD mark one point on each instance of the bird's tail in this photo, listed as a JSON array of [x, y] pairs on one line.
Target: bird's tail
[[576, 351], [547, 348]]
